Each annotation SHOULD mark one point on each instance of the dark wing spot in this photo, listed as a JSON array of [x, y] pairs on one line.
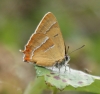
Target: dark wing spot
[[56, 35]]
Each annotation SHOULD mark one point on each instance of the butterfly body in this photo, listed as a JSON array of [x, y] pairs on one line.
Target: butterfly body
[[46, 46]]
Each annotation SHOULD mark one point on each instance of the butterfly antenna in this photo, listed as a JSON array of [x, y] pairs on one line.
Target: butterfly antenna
[[77, 49]]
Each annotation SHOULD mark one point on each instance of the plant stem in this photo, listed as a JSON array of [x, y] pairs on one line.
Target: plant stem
[[36, 87], [55, 91]]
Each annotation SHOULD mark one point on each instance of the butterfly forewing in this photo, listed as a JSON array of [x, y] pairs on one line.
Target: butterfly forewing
[[50, 27], [46, 45]]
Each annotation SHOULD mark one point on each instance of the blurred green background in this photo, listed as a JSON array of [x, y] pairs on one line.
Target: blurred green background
[[79, 21]]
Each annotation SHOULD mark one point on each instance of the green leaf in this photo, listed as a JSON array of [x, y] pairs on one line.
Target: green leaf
[[71, 79]]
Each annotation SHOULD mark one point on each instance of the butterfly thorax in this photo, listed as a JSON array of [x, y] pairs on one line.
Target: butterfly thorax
[[62, 62]]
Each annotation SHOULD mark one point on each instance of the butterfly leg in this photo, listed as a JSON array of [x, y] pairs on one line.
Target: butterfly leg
[[67, 59], [59, 66], [65, 65]]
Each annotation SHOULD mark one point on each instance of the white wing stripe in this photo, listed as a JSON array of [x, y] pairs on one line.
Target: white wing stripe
[[46, 38]]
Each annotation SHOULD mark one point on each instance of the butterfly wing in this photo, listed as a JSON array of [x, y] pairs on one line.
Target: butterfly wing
[[46, 45], [50, 27]]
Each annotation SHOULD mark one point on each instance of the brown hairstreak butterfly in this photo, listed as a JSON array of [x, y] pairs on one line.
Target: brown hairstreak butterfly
[[46, 46]]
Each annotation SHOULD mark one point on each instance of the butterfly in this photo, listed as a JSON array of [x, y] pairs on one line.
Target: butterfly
[[46, 46]]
